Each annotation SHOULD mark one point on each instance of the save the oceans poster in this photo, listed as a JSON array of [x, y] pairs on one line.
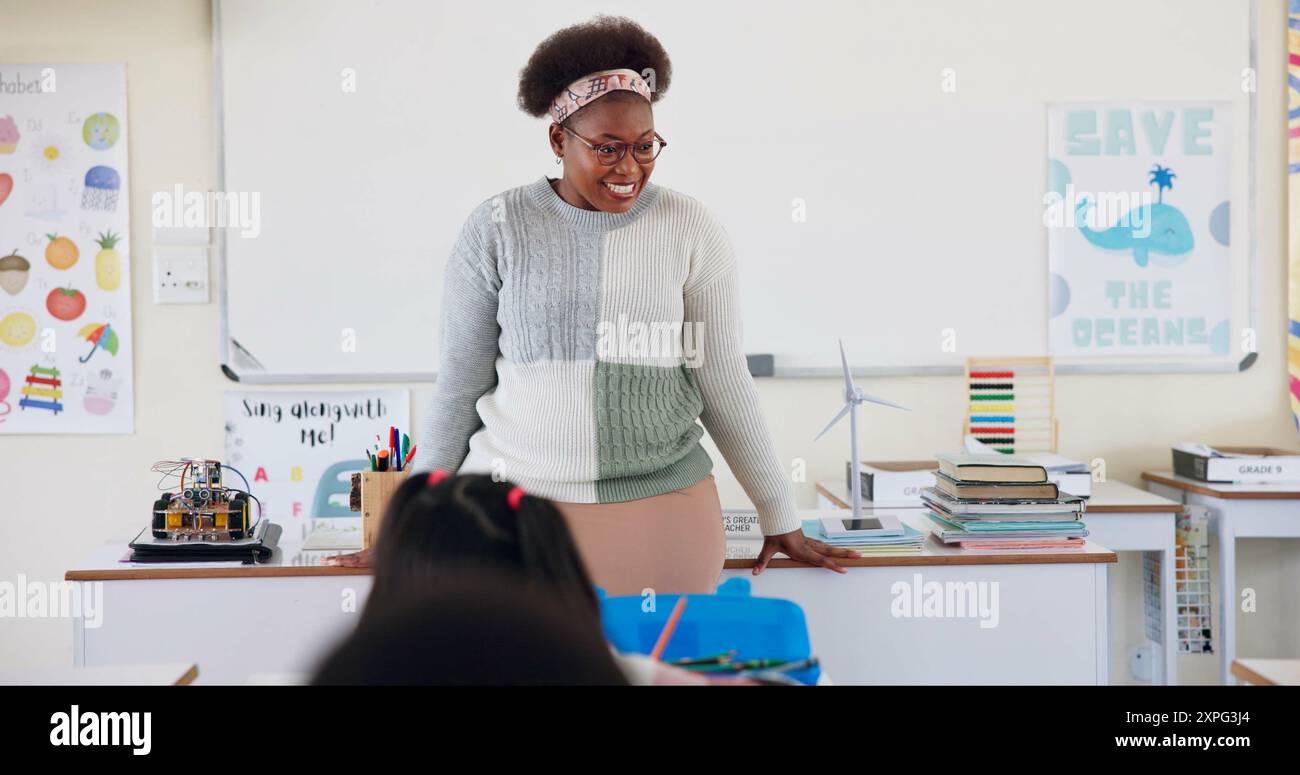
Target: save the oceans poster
[[1137, 212]]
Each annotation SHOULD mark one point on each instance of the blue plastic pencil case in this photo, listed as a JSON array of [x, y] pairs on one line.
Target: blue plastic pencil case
[[755, 627]]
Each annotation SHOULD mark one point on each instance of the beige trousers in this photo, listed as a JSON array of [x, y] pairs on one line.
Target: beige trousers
[[671, 543]]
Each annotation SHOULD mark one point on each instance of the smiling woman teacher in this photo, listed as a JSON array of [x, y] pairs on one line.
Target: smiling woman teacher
[[542, 379]]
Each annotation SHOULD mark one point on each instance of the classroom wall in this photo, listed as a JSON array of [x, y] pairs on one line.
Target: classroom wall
[[62, 495]]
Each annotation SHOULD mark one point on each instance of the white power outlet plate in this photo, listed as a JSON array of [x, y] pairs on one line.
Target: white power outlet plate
[[1140, 661], [180, 274]]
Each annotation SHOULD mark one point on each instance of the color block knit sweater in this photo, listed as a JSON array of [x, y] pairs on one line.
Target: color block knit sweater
[[580, 350]]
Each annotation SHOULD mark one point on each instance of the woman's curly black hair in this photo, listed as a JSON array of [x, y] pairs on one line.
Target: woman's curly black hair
[[604, 43]]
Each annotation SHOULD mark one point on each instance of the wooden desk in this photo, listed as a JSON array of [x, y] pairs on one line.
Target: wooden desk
[[1267, 672], [235, 620], [1235, 511], [1122, 518], [1223, 491], [283, 616]]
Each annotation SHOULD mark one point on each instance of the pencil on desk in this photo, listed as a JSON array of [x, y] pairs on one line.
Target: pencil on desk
[[666, 634], [801, 664], [748, 665], [716, 659]]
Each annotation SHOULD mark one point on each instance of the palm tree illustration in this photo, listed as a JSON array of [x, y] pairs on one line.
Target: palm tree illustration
[[1163, 178]]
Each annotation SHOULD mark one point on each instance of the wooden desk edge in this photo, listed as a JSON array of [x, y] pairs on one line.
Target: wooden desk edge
[[1207, 488], [898, 560], [1248, 675], [242, 572], [189, 676]]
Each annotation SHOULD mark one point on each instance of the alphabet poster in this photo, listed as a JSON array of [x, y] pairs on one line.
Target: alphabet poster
[[1137, 214], [299, 449], [65, 283]]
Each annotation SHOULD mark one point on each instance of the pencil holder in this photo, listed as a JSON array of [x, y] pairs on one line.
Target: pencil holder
[[377, 487]]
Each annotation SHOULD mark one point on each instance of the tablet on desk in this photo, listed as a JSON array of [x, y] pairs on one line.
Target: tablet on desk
[[866, 525]]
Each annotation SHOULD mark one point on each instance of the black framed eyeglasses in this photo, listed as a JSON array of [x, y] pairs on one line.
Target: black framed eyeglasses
[[611, 152]]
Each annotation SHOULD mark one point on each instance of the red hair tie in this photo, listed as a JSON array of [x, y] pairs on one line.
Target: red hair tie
[[436, 476], [513, 497]]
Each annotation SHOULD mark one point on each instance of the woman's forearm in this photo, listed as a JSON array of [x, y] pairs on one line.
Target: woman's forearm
[[732, 414]]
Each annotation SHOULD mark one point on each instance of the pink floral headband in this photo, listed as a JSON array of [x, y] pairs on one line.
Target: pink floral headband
[[592, 87]]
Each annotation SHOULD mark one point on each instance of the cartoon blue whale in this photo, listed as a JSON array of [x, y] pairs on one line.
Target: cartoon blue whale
[[1166, 230]]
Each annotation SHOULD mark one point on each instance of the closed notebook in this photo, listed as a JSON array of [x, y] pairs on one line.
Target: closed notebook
[[949, 537], [890, 549], [1070, 506], [1010, 518], [987, 527], [1069, 544], [991, 468], [996, 491], [813, 529]]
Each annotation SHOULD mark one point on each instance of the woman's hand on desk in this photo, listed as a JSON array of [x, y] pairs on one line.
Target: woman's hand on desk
[[801, 548], [361, 559]]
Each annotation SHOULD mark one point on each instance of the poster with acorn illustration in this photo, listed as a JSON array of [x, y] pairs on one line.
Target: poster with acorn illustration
[[1138, 216], [65, 284]]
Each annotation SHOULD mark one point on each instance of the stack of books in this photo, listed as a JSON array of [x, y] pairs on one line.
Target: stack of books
[[908, 543], [1000, 503], [1072, 476]]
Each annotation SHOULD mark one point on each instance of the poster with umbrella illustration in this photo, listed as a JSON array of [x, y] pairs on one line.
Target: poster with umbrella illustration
[[101, 336], [66, 357]]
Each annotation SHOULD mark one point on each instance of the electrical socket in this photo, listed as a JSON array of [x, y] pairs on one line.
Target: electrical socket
[[180, 274], [1140, 661]]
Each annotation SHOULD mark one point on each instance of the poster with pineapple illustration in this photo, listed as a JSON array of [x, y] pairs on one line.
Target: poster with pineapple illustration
[[65, 285]]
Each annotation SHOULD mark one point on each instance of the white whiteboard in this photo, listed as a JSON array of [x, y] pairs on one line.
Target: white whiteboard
[[923, 206]]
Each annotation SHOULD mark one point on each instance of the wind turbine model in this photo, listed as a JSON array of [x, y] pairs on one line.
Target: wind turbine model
[[852, 397]]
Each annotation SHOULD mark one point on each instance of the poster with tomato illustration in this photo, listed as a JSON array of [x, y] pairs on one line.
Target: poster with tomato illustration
[[65, 286]]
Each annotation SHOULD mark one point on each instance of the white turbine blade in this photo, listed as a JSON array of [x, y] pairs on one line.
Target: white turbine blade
[[878, 400], [848, 377], [837, 418]]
